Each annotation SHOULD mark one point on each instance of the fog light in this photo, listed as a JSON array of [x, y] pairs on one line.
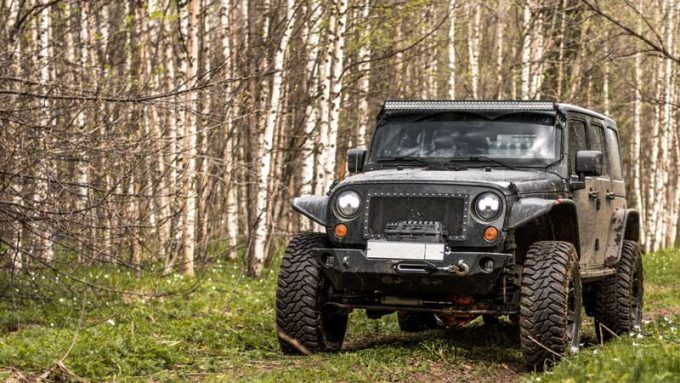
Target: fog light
[[490, 233], [340, 230]]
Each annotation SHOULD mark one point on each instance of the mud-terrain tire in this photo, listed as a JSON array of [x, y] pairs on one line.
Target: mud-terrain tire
[[304, 324], [617, 300], [416, 321], [550, 303]]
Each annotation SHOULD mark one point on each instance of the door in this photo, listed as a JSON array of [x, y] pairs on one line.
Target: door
[[585, 204], [601, 196]]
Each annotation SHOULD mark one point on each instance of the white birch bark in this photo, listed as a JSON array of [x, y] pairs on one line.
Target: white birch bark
[[636, 137], [605, 80], [172, 155], [560, 50], [526, 51], [81, 121], [17, 186], [268, 138], [653, 163], [536, 65], [189, 143], [365, 70], [162, 205], [313, 74], [42, 229], [452, 51], [228, 157], [324, 169], [662, 177], [661, 163], [500, 26], [338, 55], [101, 29], [474, 24]]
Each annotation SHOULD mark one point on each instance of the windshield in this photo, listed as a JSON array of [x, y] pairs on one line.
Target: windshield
[[518, 138]]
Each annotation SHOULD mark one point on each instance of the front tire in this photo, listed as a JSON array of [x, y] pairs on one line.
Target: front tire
[[550, 303], [617, 300], [304, 324]]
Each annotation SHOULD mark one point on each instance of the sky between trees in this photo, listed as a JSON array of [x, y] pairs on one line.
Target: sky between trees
[[173, 132]]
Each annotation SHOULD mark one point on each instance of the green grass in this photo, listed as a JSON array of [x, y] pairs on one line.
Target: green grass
[[220, 327]]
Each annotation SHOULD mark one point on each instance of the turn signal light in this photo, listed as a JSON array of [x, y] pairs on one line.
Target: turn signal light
[[340, 230], [490, 233]]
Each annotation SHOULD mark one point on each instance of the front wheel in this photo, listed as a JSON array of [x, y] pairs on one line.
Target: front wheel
[[550, 303], [304, 324]]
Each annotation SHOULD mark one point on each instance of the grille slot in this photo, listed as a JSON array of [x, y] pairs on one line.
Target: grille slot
[[450, 211]]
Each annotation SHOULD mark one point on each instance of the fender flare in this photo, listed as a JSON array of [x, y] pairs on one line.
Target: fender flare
[[527, 209], [313, 207], [624, 224]]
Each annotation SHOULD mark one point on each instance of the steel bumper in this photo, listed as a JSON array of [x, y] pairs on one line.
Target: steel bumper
[[458, 273]]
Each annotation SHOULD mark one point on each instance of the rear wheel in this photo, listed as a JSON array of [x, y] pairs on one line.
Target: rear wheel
[[416, 321], [304, 323], [550, 303], [617, 300]]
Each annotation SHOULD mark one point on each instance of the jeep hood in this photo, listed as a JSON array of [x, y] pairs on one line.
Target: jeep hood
[[510, 181]]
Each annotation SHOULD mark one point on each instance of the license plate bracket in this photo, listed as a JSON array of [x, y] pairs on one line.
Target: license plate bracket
[[405, 250]]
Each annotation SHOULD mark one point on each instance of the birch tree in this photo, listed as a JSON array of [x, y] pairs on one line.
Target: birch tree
[[268, 138], [451, 86], [189, 147]]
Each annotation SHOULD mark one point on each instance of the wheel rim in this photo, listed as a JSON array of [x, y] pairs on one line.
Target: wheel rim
[[636, 302], [573, 319]]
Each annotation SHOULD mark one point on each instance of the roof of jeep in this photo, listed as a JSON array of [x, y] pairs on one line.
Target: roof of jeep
[[486, 106]]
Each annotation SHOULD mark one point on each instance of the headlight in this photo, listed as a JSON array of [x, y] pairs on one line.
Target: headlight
[[488, 206], [347, 204]]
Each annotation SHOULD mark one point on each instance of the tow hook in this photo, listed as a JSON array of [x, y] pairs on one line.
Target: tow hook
[[461, 269]]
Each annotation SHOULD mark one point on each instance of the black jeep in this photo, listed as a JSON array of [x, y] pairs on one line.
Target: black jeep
[[462, 209]]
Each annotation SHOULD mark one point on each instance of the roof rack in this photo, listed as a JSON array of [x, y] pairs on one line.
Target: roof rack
[[467, 105]]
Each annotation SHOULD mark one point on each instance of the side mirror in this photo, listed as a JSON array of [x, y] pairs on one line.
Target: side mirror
[[589, 163], [355, 160]]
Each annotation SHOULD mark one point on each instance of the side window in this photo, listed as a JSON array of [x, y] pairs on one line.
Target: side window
[[614, 154], [597, 143], [577, 141]]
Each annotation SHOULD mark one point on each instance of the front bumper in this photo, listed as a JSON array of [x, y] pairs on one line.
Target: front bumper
[[351, 270]]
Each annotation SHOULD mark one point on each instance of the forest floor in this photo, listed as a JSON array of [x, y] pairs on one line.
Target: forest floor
[[220, 327]]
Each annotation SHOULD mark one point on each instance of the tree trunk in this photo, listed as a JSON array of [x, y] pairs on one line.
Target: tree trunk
[[365, 71], [338, 54], [189, 142], [268, 138], [452, 51], [499, 49], [474, 15], [313, 74], [42, 227], [526, 51]]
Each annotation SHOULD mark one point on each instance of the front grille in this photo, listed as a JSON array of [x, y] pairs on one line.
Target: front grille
[[388, 210]]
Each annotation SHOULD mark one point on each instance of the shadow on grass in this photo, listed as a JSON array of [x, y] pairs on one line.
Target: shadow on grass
[[495, 344]]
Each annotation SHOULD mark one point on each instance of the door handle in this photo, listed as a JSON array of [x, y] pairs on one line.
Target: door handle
[[611, 196], [594, 195]]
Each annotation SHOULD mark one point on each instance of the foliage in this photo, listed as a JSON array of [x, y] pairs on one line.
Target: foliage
[[220, 327]]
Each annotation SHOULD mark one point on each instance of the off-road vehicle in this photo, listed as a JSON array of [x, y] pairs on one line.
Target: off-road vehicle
[[461, 209]]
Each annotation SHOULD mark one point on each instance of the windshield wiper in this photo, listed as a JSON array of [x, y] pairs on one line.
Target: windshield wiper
[[417, 160], [481, 159]]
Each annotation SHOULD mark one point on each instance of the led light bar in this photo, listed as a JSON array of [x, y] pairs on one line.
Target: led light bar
[[446, 105]]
